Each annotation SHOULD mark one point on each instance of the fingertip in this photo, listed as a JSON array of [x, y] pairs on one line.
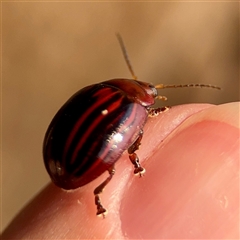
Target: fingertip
[[185, 192]]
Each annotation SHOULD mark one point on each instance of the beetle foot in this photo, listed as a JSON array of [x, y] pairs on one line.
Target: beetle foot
[[100, 209], [139, 171], [154, 112]]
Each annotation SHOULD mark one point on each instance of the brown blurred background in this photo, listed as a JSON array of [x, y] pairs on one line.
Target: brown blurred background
[[51, 50]]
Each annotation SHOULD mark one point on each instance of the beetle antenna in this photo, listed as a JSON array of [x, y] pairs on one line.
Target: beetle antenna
[[161, 86], [124, 51]]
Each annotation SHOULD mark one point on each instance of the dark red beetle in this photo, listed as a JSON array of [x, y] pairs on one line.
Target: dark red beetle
[[95, 126]]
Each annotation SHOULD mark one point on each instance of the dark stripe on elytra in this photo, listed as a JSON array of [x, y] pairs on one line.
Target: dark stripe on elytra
[[95, 158], [124, 122], [88, 123], [93, 161], [83, 111], [82, 128], [97, 120]]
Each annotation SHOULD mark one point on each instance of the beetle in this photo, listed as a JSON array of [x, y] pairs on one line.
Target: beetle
[[96, 125]]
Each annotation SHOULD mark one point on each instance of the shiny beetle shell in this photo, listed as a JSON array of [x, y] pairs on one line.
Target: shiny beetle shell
[[96, 125], [93, 128]]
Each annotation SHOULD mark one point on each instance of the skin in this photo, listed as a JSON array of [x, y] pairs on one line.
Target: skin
[[190, 188]]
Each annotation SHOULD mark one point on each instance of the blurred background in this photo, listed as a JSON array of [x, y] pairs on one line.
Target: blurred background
[[52, 49]]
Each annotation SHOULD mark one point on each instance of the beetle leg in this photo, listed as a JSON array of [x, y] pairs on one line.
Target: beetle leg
[[153, 112], [138, 169], [100, 209]]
